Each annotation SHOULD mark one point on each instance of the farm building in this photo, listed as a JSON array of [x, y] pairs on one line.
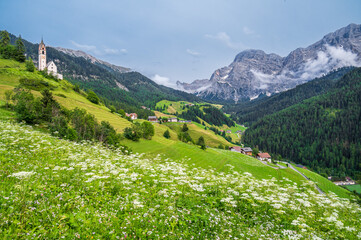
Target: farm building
[[247, 151], [264, 157], [152, 119], [132, 116], [235, 149], [172, 119]]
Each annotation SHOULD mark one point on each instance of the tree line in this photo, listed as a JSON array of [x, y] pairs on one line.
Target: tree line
[[209, 114]]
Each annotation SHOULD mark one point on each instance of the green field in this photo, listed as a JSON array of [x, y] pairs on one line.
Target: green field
[[323, 183], [83, 190], [356, 188]]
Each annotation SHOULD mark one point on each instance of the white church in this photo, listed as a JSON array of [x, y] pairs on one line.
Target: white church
[[51, 67]]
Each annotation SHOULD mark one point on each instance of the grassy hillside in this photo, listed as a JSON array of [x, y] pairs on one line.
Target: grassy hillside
[[11, 72], [84, 190], [324, 184]]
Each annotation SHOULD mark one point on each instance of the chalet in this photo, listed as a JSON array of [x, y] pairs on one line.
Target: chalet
[[172, 119], [185, 121], [229, 131], [152, 119], [235, 149], [264, 157], [132, 116], [145, 108], [247, 151]]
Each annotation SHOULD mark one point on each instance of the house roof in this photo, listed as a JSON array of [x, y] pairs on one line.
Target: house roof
[[152, 117], [246, 149], [263, 155], [237, 148]]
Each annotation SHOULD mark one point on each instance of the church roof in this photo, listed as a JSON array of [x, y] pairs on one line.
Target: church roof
[[51, 62]]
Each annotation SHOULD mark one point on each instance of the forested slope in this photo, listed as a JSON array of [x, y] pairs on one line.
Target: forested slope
[[323, 132]]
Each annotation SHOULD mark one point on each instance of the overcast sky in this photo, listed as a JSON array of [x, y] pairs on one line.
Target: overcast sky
[[170, 40]]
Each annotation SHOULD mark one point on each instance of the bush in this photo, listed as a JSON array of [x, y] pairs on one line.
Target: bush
[[184, 128], [148, 130], [166, 134], [29, 65], [185, 137], [112, 109], [27, 108], [201, 142], [134, 132], [92, 97], [34, 84]]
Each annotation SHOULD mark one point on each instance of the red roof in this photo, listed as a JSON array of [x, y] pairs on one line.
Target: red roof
[[237, 148], [263, 155]]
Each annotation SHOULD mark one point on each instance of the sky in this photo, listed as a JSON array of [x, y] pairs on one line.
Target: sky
[[176, 40]]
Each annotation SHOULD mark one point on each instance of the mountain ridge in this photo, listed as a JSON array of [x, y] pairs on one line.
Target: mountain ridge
[[254, 72]]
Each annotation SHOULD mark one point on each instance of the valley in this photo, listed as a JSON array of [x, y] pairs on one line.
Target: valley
[[96, 150]]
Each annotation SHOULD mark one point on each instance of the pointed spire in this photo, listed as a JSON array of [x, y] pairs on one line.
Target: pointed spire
[[42, 42]]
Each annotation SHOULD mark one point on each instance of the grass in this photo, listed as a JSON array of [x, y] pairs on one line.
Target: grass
[[54, 189], [195, 131], [323, 183], [352, 188]]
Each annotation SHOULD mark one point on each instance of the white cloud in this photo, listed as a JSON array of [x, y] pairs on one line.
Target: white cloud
[[247, 31], [226, 39], [165, 81], [99, 51], [84, 47], [331, 58], [115, 51], [193, 53]]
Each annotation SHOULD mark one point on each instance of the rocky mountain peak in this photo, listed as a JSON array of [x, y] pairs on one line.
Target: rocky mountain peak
[[254, 72]]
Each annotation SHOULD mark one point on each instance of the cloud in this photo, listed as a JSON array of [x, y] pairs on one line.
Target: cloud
[[165, 81], [226, 39], [247, 31], [327, 60], [193, 53], [115, 51], [84, 47], [99, 51]]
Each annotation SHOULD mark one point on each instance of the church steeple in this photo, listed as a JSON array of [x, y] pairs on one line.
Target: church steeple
[[42, 55]]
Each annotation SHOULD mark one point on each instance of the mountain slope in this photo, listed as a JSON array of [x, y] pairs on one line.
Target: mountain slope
[[322, 132], [251, 111], [254, 73], [114, 83]]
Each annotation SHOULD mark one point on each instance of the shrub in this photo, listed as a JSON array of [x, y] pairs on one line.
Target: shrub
[[29, 65], [92, 97], [134, 132], [166, 134], [148, 130]]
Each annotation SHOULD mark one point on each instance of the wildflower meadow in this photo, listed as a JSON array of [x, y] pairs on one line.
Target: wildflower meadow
[[57, 189]]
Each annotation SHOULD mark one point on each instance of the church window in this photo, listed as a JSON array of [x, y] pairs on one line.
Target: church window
[[42, 52]]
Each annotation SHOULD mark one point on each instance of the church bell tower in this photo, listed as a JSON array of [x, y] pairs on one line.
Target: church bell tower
[[42, 56]]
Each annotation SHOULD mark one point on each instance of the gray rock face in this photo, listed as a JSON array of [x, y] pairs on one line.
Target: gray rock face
[[90, 58], [253, 72]]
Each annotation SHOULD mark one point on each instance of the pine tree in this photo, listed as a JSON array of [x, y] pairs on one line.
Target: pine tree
[[5, 38], [166, 134], [20, 47]]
